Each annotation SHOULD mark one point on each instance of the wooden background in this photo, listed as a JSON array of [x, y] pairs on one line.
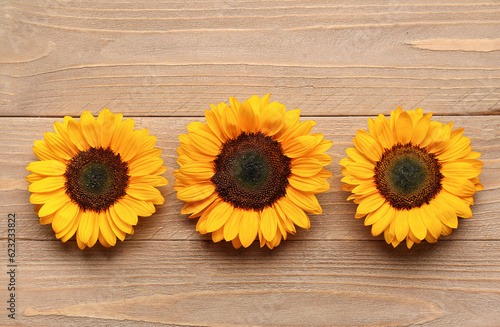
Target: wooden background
[[163, 63]]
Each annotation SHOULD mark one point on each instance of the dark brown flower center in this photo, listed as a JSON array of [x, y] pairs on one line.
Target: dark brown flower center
[[251, 171], [408, 176], [96, 178]]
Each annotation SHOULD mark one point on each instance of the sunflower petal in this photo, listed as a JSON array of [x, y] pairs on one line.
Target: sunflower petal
[[402, 225], [368, 145], [294, 213], [268, 223], [417, 226], [47, 167], [218, 216], [90, 129], [232, 226], [249, 227], [300, 145], [230, 124], [48, 184], [196, 192], [404, 128], [307, 201], [273, 118]]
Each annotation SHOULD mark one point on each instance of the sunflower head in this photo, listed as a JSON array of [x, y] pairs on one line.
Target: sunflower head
[[411, 177], [251, 171], [95, 177]]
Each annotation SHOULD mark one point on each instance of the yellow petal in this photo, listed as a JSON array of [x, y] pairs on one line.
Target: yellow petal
[[205, 145], [461, 149], [465, 168], [218, 216], [366, 188], [305, 200], [294, 213], [420, 130], [125, 213], [390, 232], [48, 184], [300, 145], [232, 226], [301, 129], [248, 227], [118, 222], [268, 223], [198, 170], [369, 204], [430, 220], [361, 170], [384, 221], [90, 129], [41, 198], [156, 181], [383, 132], [461, 208], [292, 118], [196, 192], [230, 124], [122, 135], [416, 223], [358, 157], [143, 191], [236, 243], [309, 184], [444, 212], [65, 216], [95, 231], [198, 206], [218, 235], [47, 167], [305, 167], [141, 208], [76, 136], [144, 166], [247, 118], [264, 101], [273, 118], [215, 125], [402, 226], [70, 230], [461, 187], [42, 151], [57, 146], [86, 226], [404, 128], [105, 122], [368, 145]]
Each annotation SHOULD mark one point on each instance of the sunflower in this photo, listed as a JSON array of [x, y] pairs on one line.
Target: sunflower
[[95, 177], [411, 177], [251, 170]]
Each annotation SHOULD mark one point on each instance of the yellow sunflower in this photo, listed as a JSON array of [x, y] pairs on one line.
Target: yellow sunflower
[[411, 177], [95, 177], [251, 170]]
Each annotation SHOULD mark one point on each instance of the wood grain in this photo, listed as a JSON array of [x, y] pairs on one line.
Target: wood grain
[[163, 63], [173, 58]]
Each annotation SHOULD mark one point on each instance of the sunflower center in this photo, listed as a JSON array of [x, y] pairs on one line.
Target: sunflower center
[[96, 178], [251, 171], [408, 176]]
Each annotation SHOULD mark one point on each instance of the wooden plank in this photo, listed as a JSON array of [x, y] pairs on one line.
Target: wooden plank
[[175, 58], [336, 223], [197, 283]]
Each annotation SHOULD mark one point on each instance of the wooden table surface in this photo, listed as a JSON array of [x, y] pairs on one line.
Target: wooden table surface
[[163, 63]]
